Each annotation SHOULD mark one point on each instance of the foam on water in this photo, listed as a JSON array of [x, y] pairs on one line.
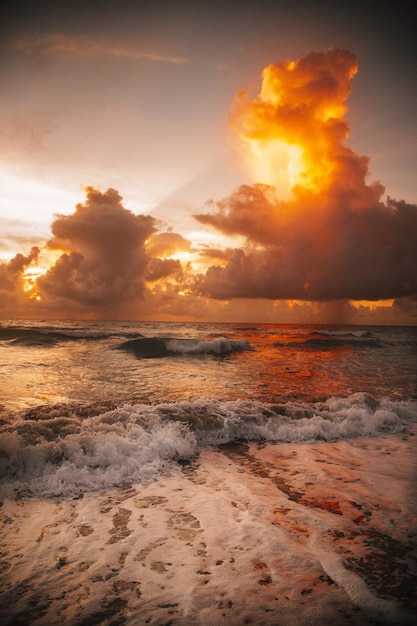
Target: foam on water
[[154, 347], [235, 480], [71, 450]]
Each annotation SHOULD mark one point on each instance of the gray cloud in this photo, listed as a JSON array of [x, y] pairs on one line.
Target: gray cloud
[[105, 260], [339, 254]]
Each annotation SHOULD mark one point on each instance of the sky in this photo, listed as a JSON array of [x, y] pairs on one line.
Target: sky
[[200, 161]]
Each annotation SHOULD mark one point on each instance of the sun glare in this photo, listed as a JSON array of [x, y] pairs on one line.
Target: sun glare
[[30, 277], [275, 162], [372, 304], [293, 133], [46, 259]]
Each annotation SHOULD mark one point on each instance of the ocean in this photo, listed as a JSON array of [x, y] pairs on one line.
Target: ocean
[[198, 473]]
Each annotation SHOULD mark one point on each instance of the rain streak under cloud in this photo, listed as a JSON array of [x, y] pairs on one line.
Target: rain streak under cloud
[[314, 228]]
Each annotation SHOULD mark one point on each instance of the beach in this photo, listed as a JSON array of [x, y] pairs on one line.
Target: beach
[[207, 474], [208, 315], [245, 534]]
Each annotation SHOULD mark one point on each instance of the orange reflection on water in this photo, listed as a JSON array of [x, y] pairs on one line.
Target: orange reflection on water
[[298, 363]]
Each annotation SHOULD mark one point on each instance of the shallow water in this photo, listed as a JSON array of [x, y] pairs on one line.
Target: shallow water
[[86, 405], [85, 362], [207, 474]]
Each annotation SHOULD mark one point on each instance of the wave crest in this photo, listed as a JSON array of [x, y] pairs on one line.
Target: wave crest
[[156, 347], [72, 451]]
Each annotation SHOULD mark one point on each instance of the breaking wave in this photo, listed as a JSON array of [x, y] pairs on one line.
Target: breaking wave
[[71, 449], [155, 347]]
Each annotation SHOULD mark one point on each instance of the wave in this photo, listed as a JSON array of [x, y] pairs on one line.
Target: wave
[[50, 335], [156, 347], [329, 341], [343, 333], [348, 338], [339, 342], [71, 449]]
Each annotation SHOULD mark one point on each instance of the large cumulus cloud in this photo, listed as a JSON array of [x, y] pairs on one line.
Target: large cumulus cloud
[[107, 262], [104, 260], [334, 238], [331, 242], [343, 254]]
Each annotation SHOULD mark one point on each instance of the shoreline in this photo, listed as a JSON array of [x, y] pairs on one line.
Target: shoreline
[[243, 534]]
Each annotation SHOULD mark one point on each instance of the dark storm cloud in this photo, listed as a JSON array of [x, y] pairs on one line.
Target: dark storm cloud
[[306, 254]]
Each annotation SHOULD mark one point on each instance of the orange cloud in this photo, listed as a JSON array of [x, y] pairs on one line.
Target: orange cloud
[[299, 117], [166, 244], [158, 269], [333, 238], [12, 279], [308, 255], [305, 257]]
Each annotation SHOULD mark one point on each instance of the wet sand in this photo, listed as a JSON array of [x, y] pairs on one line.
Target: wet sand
[[244, 534]]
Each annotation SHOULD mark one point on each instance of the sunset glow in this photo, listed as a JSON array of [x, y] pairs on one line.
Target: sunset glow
[[297, 123], [275, 162], [208, 313], [31, 274], [154, 173], [367, 304]]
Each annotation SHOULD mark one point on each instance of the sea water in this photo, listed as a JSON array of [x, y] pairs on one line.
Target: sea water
[[286, 449]]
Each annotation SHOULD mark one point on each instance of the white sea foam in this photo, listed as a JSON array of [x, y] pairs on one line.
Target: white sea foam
[[93, 454], [157, 347], [52, 454], [219, 345], [272, 534], [315, 527]]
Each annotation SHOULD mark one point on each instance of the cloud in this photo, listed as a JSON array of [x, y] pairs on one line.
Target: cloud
[[298, 123], [59, 44], [11, 241], [162, 268], [249, 211], [166, 244], [308, 255], [333, 238], [12, 279], [104, 260]]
